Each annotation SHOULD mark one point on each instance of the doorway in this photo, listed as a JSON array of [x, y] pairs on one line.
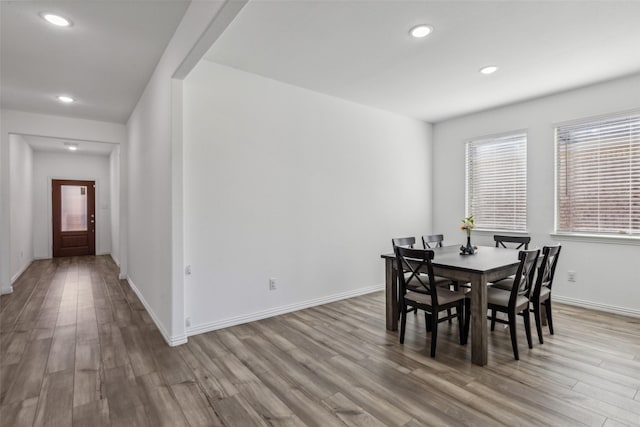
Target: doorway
[[74, 219]]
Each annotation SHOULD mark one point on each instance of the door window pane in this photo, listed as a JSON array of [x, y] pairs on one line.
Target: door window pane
[[74, 207]]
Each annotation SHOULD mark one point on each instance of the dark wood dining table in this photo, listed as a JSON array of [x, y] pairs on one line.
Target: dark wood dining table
[[486, 265]]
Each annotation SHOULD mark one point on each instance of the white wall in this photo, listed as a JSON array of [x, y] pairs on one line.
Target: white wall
[[18, 122], [287, 183], [50, 165], [153, 173], [114, 197], [21, 199], [608, 274]]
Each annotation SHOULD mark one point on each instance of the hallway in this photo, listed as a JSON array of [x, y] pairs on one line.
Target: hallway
[[74, 339]]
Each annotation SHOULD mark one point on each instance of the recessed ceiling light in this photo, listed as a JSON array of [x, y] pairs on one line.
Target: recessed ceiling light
[[420, 31], [55, 19], [71, 146], [489, 69], [64, 98]]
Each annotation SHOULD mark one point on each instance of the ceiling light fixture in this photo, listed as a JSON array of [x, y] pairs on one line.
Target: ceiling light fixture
[[55, 19], [66, 99], [420, 31], [71, 146], [489, 69]]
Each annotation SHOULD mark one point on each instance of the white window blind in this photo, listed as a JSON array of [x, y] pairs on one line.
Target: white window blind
[[598, 176], [497, 182]]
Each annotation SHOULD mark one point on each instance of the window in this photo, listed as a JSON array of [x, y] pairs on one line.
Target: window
[[598, 176], [497, 182]]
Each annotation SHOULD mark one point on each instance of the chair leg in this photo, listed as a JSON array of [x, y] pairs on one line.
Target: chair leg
[[512, 330], [493, 320], [527, 326], [453, 285], [403, 322], [427, 321], [434, 332], [459, 315], [538, 320], [547, 306], [467, 318]]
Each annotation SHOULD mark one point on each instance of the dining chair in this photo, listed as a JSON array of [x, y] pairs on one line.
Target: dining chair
[[515, 301], [514, 242], [435, 241], [518, 241], [412, 265], [409, 242], [541, 293], [432, 241]]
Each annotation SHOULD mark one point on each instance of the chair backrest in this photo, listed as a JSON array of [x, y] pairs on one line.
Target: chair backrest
[[405, 242], [412, 264], [519, 241], [546, 270], [432, 241], [523, 280]]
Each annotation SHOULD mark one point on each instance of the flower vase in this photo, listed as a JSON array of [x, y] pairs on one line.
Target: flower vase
[[469, 249]]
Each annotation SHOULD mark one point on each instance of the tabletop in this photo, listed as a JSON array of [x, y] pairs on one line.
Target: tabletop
[[485, 260]]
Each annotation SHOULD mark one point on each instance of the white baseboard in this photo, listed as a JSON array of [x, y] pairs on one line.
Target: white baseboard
[[171, 341], [597, 306], [246, 318], [115, 260], [22, 270], [6, 291]]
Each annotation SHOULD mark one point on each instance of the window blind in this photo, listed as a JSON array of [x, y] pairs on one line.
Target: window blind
[[598, 176], [497, 182]]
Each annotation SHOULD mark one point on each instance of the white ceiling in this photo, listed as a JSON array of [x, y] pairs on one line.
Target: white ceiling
[[357, 50], [361, 50], [104, 60], [57, 145]]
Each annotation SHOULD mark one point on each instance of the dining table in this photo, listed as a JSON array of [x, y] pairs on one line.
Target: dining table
[[487, 264]]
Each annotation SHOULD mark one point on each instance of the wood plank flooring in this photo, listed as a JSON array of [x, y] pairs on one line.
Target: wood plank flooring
[[77, 348]]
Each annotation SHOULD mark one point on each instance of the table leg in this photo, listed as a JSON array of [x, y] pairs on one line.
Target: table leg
[[479, 333], [391, 290]]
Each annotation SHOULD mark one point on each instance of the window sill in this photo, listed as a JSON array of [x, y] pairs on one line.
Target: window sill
[[622, 239]]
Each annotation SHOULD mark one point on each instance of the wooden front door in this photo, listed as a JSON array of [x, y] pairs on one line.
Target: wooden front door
[[74, 218]]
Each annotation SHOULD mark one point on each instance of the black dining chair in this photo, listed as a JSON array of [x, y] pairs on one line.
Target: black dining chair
[[414, 265], [541, 292], [436, 241], [519, 242], [515, 301], [513, 242], [409, 242], [432, 241]]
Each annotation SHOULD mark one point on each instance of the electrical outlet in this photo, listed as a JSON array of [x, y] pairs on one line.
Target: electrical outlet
[[273, 284], [187, 322], [187, 270], [571, 276]]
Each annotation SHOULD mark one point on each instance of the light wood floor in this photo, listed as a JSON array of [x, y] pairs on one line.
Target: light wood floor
[[79, 349]]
